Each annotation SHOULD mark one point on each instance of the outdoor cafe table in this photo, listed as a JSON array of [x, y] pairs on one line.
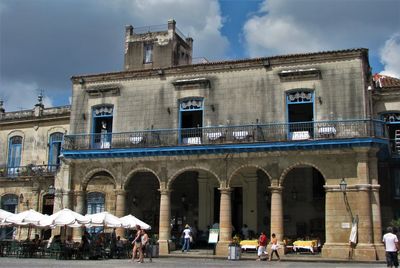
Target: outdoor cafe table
[[305, 244], [249, 244]]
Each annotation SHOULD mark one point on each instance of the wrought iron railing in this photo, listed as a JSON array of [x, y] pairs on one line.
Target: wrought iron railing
[[275, 132], [395, 147], [28, 171]]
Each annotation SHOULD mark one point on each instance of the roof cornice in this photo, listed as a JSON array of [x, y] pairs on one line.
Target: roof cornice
[[229, 65]]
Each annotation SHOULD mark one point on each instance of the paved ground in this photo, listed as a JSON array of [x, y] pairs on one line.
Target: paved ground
[[175, 262]]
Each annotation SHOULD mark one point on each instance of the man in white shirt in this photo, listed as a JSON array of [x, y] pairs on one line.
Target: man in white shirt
[[391, 246]]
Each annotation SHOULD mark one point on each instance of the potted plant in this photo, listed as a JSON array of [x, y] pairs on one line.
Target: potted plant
[[155, 246], [234, 248]]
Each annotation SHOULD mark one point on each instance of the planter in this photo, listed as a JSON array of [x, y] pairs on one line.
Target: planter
[[155, 251], [234, 252]]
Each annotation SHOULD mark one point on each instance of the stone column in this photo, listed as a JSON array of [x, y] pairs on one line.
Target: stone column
[[277, 212], [225, 223], [120, 209], [34, 202], [365, 249], [79, 198], [376, 208], [165, 222], [62, 183], [204, 202]]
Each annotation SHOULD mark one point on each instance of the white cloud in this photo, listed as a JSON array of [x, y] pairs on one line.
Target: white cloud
[[390, 56], [21, 96], [89, 39], [279, 36], [284, 26]]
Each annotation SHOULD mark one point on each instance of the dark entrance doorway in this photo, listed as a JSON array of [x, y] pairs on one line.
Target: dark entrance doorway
[[48, 206]]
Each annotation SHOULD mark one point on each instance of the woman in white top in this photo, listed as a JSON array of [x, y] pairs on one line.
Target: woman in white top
[[187, 233]]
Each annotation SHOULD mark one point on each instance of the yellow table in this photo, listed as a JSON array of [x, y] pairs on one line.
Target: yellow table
[[306, 244], [249, 244]]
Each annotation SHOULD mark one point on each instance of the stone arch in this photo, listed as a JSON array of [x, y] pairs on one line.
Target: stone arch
[[89, 175], [248, 166], [297, 164], [191, 168], [129, 176], [16, 132], [55, 129]]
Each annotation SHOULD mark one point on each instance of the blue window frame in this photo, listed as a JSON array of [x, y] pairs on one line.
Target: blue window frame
[[190, 118], [95, 204], [102, 120], [55, 142], [392, 120], [300, 113], [14, 154], [9, 202]]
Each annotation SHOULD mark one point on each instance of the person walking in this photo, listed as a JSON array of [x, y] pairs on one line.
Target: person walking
[[187, 233], [262, 246], [146, 246], [274, 247], [137, 245], [391, 247]]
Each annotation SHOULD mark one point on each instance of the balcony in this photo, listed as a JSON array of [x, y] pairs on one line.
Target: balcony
[[28, 171], [254, 137]]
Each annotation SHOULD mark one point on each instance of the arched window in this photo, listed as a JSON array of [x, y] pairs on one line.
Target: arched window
[[55, 142], [9, 202], [14, 154], [95, 202]]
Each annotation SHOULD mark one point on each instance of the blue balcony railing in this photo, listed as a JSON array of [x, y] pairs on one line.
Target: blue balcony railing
[[28, 171], [254, 133]]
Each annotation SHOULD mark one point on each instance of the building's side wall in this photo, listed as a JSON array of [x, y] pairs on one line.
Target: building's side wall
[[35, 148]]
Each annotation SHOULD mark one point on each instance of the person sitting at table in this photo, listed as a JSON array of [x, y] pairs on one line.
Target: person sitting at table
[[36, 242], [69, 247], [119, 247], [84, 246]]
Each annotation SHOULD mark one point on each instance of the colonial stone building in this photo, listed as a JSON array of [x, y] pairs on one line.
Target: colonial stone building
[[30, 142], [266, 142]]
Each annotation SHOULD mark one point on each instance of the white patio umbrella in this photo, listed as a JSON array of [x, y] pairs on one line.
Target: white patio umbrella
[[65, 217], [28, 218], [25, 218], [130, 222], [3, 215], [103, 219]]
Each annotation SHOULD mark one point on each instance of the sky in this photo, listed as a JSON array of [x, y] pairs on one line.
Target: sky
[[45, 42]]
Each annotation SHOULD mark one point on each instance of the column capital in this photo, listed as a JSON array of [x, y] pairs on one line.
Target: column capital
[[79, 192], [225, 190], [164, 191], [276, 189], [119, 192]]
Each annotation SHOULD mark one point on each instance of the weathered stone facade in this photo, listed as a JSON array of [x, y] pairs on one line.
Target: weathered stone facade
[[264, 142]]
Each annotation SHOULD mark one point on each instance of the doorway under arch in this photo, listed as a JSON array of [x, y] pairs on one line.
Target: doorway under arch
[[304, 191], [143, 198]]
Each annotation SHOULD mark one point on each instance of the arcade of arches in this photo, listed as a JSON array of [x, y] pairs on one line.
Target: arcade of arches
[[298, 200]]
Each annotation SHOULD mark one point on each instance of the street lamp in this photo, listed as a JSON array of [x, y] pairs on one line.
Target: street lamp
[[343, 185], [51, 190]]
